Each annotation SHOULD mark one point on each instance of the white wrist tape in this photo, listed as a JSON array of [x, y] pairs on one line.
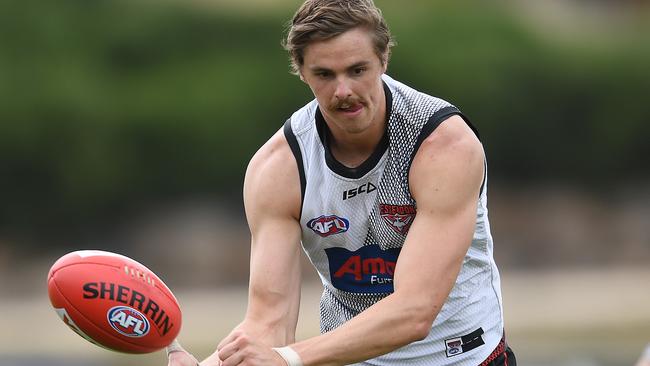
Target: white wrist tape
[[289, 355], [174, 347]]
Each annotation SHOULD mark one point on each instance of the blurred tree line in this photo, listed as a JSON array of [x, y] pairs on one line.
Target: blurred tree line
[[109, 104]]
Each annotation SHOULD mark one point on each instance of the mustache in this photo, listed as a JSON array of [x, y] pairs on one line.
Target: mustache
[[345, 103]]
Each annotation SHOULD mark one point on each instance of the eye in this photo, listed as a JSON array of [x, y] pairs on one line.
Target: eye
[[323, 74], [358, 70]]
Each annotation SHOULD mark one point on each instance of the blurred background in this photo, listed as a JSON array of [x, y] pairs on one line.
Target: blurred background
[[127, 126]]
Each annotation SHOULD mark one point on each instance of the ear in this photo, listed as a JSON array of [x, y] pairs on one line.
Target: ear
[[384, 62]]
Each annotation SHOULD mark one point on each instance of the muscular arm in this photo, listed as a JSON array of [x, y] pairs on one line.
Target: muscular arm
[[272, 200], [445, 180]]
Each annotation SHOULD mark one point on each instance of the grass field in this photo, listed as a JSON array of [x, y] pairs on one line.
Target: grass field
[[564, 318]]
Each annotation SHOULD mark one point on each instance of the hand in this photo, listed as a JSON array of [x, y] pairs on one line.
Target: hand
[[240, 347], [212, 360]]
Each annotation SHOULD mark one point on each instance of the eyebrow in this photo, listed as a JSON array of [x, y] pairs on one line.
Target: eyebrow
[[316, 69]]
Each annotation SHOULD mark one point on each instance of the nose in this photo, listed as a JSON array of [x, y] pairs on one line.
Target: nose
[[343, 90]]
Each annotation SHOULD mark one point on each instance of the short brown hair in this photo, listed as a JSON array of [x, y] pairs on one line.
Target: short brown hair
[[319, 20]]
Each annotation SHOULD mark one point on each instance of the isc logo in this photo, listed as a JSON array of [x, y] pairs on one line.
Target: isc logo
[[128, 321], [328, 225], [364, 188]]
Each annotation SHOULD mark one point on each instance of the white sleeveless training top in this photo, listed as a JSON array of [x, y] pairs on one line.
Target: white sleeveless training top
[[354, 222]]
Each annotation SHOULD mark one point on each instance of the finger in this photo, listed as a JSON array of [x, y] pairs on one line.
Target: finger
[[233, 360], [229, 339], [227, 351]]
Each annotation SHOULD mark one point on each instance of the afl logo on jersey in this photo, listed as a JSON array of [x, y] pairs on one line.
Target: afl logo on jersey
[[398, 217], [328, 225]]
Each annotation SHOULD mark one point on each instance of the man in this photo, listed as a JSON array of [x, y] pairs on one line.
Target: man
[[385, 188]]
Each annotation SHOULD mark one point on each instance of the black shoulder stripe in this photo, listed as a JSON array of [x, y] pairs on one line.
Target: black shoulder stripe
[[434, 121], [480, 191], [295, 148]]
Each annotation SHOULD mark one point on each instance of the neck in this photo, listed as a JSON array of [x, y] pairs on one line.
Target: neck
[[352, 150]]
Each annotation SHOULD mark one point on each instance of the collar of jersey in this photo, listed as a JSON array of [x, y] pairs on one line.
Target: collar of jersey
[[357, 172]]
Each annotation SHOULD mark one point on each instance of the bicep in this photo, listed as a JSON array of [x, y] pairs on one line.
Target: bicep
[[445, 180]]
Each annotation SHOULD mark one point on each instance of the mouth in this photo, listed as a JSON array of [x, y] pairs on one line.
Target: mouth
[[350, 109]]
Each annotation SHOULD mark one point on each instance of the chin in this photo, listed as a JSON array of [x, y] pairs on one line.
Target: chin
[[355, 128]]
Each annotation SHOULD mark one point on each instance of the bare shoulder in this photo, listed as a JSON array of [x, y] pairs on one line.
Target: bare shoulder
[[272, 182], [449, 164]]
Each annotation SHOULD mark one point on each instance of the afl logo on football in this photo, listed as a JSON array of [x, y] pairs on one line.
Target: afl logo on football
[[128, 321]]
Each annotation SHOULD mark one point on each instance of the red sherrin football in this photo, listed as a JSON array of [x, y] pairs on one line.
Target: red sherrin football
[[113, 301]]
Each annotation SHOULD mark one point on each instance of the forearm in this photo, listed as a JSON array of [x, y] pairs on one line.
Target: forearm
[[272, 336], [389, 324], [273, 305], [271, 317]]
